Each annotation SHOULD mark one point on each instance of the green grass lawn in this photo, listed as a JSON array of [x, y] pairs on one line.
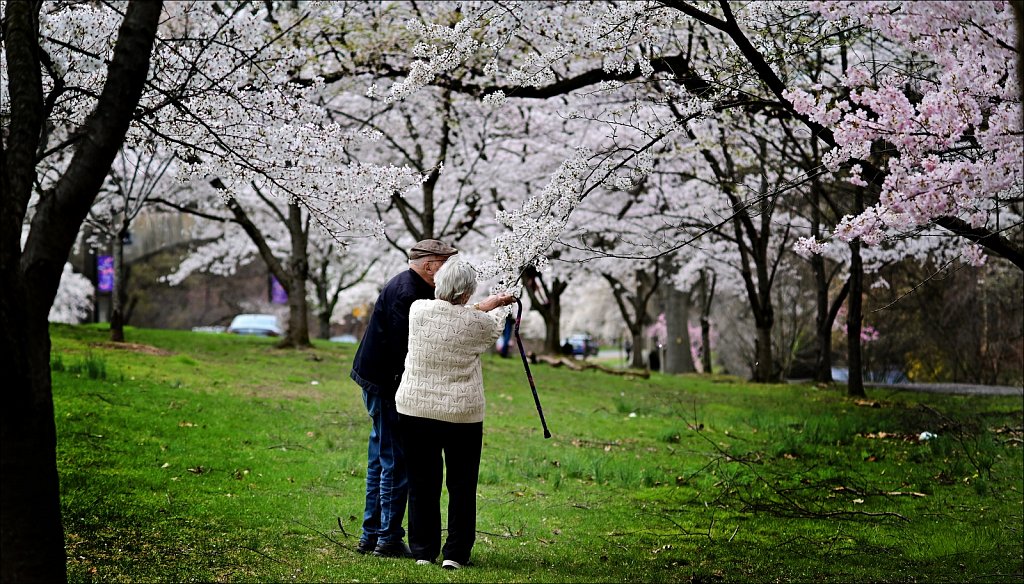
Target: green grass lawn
[[203, 457]]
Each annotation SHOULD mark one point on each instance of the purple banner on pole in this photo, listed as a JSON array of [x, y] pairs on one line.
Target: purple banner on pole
[[105, 273], [277, 293]]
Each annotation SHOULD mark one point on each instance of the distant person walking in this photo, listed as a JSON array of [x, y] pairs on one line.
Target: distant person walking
[[441, 410], [377, 368]]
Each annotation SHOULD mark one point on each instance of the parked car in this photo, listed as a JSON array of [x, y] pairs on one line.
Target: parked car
[[580, 344], [264, 325]]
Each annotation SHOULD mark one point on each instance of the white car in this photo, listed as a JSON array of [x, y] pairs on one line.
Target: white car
[[264, 325]]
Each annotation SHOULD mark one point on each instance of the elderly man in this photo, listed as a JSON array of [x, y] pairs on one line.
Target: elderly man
[[377, 368]]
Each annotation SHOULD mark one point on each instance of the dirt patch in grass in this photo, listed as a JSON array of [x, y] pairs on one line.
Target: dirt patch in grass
[[133, 347]]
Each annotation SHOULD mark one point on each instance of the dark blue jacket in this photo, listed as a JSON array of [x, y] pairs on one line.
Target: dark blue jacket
[[380, 358]]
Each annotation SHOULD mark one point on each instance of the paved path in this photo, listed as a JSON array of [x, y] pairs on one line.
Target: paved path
[[614, 358], [957, 388]]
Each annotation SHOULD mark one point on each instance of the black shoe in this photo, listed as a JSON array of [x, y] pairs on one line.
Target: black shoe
[[396, 549], [366, 546]]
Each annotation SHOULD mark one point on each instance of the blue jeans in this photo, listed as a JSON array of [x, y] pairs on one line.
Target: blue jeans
[[387, 488]]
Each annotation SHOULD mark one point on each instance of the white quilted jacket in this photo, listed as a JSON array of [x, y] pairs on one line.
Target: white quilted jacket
[[443, 379]]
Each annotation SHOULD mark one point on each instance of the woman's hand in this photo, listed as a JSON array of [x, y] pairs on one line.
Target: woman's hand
[[494, 301]]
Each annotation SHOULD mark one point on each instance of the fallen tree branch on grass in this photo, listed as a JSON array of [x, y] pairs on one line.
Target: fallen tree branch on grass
[[584, 365]]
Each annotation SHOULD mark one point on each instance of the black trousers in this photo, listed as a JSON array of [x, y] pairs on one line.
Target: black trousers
[[436, 450]]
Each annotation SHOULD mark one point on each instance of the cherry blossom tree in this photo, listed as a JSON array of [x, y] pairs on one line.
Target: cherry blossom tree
[[33, 542], [947, 108], [134, 178], [213, 83], [746, 67]]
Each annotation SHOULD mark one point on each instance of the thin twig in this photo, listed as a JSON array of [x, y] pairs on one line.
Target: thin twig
[[327, 537], [286, 446]]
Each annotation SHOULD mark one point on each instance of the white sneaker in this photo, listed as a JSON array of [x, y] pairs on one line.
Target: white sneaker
[[450, 565], [423, 562]]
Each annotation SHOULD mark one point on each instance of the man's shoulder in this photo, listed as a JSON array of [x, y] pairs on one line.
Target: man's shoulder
[[401, 285], [409, 285], [398, 280]]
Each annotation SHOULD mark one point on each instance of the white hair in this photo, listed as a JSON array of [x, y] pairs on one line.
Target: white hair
[[455, 282]]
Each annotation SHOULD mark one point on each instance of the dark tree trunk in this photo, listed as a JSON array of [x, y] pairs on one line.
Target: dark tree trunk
[[764, 366], [323, 316], [824, 318], [32, 532], [854, 318], [707, 288], [757, 268], [636, 358], [119, 293], [822, 325], [297, 276], [759, 295], [705, 344], [822, 328]]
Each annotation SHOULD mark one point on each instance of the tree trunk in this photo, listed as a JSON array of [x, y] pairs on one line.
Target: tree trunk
[[822, 324], [325, 303], [547, 301], [117, 295], [297, 335], [707, 288], [324, 321], [553, 318], [705, 345], [298, 274], [636, 359], [854, 316], [32, 532], [764, 367], [678, 356]]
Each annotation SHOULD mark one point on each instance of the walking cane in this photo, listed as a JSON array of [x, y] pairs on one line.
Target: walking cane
[[526, 364]]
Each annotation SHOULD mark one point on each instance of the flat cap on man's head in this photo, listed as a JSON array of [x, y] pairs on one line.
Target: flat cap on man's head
[[431, 247]]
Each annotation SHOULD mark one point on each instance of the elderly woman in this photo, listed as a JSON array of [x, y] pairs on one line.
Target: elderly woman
[[440, 403]]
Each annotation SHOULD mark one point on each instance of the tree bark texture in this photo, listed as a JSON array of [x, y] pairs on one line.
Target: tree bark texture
[[32, 532], [822, 334], [119, 293], [298, 276], [708, 279], [678, 357], [854, 318]]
